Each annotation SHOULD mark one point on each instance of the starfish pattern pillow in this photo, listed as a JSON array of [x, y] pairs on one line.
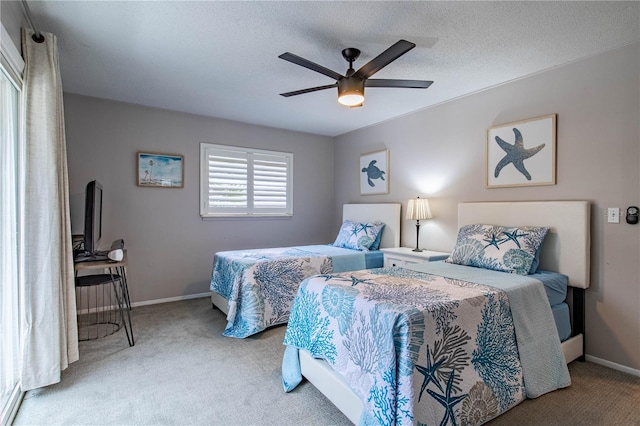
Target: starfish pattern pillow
[[358, 236], [500, 248]]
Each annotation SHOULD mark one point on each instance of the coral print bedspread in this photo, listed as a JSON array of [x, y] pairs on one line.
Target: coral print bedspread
[[422, 348], [260, 285]]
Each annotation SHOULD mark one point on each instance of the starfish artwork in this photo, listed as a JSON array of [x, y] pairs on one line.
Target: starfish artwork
[[513, 236], [355, 281], [494, 241], [516, 154], [429, 373], [448, 401], [364, 227]]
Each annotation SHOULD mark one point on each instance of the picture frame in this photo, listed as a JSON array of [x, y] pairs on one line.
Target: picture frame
[[521, 153], [374, 173], [160, 170]]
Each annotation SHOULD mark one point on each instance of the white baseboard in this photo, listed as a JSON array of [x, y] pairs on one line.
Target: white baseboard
[[171, 299], [613, 365], [146, 302]]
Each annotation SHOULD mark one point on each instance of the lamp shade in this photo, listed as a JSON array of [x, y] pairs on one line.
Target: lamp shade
[[418, 209]]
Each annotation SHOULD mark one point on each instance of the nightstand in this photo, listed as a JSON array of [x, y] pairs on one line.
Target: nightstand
[[401, 256]]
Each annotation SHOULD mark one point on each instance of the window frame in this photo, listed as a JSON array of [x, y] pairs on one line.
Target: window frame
[[250, 210], [12, 66]]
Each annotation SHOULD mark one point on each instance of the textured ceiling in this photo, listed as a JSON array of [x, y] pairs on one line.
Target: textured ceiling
[[220, 59]]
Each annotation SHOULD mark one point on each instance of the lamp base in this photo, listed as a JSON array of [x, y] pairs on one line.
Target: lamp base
[[417, 249]]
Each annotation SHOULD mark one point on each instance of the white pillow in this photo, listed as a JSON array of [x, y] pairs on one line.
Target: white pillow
[[500, 248], [358, 236]]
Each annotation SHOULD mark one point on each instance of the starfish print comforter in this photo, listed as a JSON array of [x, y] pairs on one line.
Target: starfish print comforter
[[438, 345]]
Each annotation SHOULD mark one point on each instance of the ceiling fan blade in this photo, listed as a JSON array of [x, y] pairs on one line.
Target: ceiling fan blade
[[384, 59], [309, 90], [409, 84], [310, 65]]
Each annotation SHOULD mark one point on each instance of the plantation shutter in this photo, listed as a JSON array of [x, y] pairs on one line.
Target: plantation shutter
[[270, 181], [227, 180], [237, 181]]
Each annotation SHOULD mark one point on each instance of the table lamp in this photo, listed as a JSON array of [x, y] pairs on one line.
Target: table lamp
[[418, 209]]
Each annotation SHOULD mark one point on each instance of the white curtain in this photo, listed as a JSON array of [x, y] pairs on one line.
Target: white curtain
[[50, 339]]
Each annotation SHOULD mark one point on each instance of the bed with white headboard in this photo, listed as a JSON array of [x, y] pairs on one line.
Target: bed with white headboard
[[244, 299], [566, 249]]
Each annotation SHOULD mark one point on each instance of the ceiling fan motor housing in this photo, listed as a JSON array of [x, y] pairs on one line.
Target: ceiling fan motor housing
[[350, 91]]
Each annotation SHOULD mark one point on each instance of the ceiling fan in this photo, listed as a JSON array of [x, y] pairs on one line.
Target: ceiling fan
[[351, 85]]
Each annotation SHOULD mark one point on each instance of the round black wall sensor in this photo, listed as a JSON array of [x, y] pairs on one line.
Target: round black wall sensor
[[632, 215]]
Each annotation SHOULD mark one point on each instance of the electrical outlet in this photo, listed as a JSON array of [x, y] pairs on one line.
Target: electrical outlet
[[613, 215]]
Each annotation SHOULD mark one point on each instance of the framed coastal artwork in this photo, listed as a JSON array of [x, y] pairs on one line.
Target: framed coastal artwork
[[522, 153], [160, 170], [374, 173]]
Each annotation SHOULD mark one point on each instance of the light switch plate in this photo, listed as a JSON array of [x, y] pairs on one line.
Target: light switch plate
[[613, 215]]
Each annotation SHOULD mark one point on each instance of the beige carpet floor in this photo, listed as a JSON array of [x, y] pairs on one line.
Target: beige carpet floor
[[182, 371]]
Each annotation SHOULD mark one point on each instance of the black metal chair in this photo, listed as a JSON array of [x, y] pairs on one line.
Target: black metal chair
[[106, 303]]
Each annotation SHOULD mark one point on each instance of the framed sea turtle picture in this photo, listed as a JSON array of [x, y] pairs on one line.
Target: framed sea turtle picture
[[374, 173]]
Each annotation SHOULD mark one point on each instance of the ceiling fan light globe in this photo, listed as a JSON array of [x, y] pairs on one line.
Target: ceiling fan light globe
[[351, 99]]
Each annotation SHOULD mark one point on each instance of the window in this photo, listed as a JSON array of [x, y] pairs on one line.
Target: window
[[11, 149], [238, 181]]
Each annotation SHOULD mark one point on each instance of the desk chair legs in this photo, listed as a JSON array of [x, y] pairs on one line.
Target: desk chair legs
[[122, 272]]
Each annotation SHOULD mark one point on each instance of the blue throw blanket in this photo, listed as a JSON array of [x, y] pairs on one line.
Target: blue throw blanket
[[539, 347], [421, 348], [260, 284]]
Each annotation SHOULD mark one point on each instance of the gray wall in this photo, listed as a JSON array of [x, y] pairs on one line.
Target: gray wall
[[13, 18], [440, 153], [170, 247]]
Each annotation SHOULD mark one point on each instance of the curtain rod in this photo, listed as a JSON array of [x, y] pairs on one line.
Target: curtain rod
[[37, 37]]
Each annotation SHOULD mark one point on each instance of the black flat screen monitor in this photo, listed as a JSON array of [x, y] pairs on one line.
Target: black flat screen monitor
[[92, 217]]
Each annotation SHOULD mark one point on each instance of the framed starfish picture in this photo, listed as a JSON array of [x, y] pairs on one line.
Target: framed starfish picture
[[522, 153], [374, 173]]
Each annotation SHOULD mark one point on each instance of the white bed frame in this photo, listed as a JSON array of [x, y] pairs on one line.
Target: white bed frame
[[566, 249], [387, 213]]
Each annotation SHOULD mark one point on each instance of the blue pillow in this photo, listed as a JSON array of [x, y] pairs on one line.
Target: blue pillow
[[500, 248], [536, 261], [358, 236], [376, 242]]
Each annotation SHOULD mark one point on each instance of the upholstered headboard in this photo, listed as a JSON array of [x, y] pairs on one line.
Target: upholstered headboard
[[387, 213], [567, 246]]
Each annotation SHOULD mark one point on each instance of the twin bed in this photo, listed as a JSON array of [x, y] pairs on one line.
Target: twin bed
[[446, 342], [255, 288], [443, 342]]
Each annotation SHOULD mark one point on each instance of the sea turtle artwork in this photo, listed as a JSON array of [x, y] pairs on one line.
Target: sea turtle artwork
[[373, 172], [515, 154]]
